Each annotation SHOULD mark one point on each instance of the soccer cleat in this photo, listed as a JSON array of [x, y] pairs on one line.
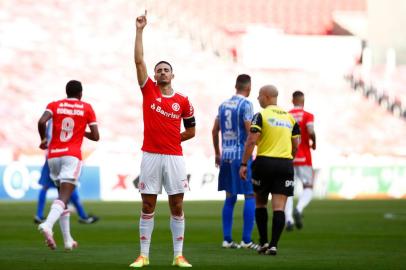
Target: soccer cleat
[[262, 249], [48, 234], [38, 220], [297, 216], [231, 244], [289, 226], [70, 245], [181, 261], [141, 261], [250, 245], [271, 251], [89, 220]]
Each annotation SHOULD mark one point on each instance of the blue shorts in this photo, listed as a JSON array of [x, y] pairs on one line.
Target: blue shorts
[[45, 179], [229, 178]]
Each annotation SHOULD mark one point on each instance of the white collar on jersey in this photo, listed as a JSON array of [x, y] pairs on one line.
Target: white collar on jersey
[[169, 96], [72, 98], [239, 95]]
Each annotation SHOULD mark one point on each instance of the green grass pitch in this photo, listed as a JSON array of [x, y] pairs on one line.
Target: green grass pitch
[[336, 235]]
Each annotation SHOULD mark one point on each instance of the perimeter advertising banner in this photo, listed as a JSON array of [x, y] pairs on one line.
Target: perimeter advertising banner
[[20, 182], [352, 182], [114, 181], [118, 175]]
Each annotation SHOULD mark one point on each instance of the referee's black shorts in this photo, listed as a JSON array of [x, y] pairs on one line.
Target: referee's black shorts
[[273, 175]]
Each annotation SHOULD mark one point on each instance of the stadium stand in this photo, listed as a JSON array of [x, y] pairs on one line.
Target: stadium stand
[[94, 43], [388, 89], [298, 17]]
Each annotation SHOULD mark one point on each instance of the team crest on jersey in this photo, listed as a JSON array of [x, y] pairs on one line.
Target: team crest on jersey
[[175, 107]]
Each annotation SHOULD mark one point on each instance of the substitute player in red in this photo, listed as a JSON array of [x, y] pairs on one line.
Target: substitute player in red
[[70, 117], [162, 160], [302, 162]]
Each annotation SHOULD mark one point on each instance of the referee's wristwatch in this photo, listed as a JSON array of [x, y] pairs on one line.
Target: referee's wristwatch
[[243, 165]]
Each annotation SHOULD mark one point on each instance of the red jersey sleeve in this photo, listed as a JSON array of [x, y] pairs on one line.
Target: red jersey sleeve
[[51, 108], [148, 86], [187, 110], [91, 116], [310, 118]]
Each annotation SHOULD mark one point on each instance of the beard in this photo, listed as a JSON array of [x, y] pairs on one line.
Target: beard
[[163, 82]]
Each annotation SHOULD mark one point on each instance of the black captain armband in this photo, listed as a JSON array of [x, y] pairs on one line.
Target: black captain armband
[[189, 122]]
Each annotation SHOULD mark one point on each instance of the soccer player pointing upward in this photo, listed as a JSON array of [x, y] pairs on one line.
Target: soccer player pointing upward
[[162, 161]]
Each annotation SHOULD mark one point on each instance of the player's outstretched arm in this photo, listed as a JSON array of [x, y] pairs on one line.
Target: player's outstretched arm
[[142, 75], [93, 135], [215, 135], [42, 126]]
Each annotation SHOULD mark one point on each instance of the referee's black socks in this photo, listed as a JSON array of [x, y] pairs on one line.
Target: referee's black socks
[[278, 224], [261, 218]]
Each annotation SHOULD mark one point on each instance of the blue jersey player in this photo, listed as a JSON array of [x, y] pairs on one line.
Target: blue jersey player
[[234, 121], [46, 182]]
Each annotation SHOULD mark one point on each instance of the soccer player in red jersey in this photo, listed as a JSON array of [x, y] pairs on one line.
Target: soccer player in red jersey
[[70, 116], [162, 160], [302, 162]]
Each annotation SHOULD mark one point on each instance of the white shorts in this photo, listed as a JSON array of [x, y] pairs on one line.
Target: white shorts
[[304, 174], [159, 170], [64, 169]]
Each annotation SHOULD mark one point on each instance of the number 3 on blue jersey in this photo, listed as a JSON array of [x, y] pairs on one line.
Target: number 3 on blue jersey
[[228, 123]]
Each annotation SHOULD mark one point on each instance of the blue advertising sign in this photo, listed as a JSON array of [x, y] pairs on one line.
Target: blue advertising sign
[[19, 181]]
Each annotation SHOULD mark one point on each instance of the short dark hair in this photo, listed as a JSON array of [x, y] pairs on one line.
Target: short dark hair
[[242, 80], [163, 62], [73, 88], [297, 94]]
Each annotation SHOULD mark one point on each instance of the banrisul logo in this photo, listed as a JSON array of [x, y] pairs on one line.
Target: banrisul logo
[[161, 111]]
